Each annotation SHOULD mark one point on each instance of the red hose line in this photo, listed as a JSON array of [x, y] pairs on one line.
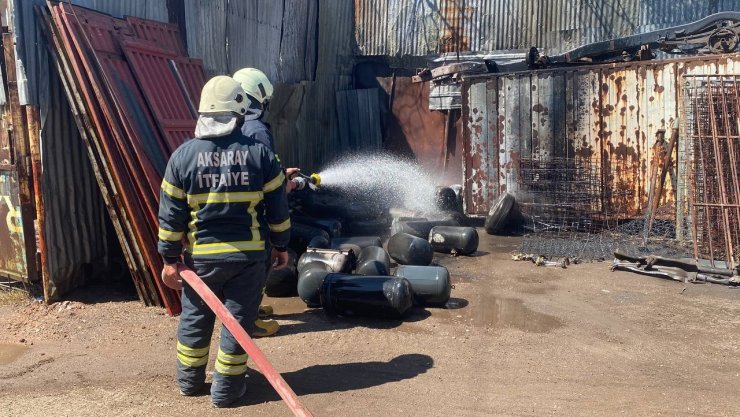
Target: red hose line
[[259, 358]]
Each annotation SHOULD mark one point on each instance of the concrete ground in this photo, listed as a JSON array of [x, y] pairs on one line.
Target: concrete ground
[[526, 341]]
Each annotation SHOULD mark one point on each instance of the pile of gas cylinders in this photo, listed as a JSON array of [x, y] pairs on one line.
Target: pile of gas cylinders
[[356, 274]]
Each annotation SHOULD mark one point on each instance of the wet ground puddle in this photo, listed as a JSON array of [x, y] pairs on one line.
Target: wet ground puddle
[[496, 313]]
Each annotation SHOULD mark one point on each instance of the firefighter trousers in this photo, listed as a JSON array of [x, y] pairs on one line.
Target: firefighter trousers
[[239, 286]]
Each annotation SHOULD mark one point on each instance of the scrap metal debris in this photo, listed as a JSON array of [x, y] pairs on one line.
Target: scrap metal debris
[[683, 270]]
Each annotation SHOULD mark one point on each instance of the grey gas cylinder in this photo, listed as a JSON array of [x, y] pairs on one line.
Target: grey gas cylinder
[[309, 283], [431, 284], [460, 240], [336, 260]]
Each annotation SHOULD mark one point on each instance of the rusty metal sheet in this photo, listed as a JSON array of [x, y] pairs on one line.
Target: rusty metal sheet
[[163, 35], [119, 196], [483, 136], [6, 150], [12, 239], [165, 93], [86, 124], [131, 125], [604, 116], [126, 129], [412, 129], [193, 76]]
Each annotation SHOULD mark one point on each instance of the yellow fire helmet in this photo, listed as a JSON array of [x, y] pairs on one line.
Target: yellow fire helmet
[[255, 83], [223, 94]]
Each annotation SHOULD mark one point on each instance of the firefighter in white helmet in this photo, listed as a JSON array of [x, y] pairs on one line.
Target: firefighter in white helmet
[[211, 192], [259, 90]]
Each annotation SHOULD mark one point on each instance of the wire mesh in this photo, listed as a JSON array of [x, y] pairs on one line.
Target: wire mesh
[[713, 127]]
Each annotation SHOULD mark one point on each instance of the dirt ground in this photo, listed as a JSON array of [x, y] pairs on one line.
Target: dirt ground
[[527, 341]]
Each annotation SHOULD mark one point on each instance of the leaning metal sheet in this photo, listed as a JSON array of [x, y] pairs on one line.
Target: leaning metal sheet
[[135, 136], [153, 68], [92, 128]]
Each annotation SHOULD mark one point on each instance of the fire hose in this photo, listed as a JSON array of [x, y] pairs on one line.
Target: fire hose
[[272, 376]]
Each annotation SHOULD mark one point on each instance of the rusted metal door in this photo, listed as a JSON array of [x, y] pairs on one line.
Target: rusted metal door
[[157, 72], [17, 232]]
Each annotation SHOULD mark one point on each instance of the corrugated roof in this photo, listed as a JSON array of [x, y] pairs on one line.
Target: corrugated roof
[[412, 27]]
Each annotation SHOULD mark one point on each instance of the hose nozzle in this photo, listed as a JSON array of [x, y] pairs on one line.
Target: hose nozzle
[[304, 180]]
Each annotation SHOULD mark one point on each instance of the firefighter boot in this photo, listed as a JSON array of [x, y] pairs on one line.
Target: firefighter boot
[[265, 311], [264, 328]]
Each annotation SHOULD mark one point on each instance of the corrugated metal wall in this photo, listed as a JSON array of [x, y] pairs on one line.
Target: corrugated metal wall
[[414, 27], [76, 219], [604, 116], [304, 47], [76, 227], [229, 35]]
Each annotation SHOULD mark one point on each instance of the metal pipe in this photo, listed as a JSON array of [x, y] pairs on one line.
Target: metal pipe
[[241, 336], [34, 140]]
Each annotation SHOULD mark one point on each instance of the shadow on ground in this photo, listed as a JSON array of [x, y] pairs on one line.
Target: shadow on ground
[[321, 379]]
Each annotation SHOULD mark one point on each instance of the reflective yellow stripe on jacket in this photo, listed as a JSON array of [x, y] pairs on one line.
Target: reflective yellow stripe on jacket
[[253, 198], [281, 227], [227, 247], [223, 198], [274, 183], [172, 191]]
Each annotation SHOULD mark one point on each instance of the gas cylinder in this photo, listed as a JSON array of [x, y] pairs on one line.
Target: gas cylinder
[[460, 240], [343, 294], [301, 235], [410, 250], [420, 228], [309, 283], [282, 282], [361, 241], [335, 260], [373, 261], [332, 227], [499, 214], [447, 199], [319, 242], [431, 284]]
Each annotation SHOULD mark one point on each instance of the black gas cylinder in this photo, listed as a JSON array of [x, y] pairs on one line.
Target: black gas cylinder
[[420, 228], [373, 261], [343, 294], [360, 241], [282, 282], [410, 250], [319, 242]]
